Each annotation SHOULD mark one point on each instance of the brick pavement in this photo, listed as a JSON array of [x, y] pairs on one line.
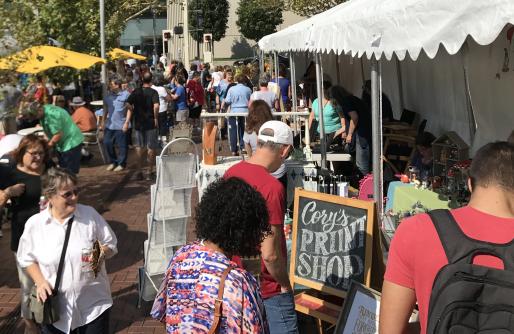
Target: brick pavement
[[124, 203]]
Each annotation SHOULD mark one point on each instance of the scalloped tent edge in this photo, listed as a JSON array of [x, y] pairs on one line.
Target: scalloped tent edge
[[400, 27]]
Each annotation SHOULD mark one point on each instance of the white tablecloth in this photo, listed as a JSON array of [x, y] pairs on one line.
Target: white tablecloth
[[296, 172], [210, 173]]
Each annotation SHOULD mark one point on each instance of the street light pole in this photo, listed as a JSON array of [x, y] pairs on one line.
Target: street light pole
[[186, 33], [154, 57], [102, 52], [198, 28]]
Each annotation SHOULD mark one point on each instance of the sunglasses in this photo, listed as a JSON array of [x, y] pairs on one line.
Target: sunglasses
[[70, 193]]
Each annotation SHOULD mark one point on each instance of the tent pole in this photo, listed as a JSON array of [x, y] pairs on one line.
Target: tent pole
[[376, 93], [362, 71], [293, 91], [319, 89], [275, 70], [293, 83], [261, 62], [275, 64], [400, 84], [469, 102], [271, 64], [338, 68]]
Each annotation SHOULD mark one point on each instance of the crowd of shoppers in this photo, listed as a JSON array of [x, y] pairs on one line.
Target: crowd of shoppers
[[205, 288]]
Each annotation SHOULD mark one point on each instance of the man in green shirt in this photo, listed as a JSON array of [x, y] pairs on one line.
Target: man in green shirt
[[62, 133]]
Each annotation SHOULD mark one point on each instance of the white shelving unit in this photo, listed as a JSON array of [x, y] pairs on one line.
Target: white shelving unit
[[170, 211]]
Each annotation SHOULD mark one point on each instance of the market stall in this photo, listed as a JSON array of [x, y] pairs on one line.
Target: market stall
[[389, 31], [462, 86]]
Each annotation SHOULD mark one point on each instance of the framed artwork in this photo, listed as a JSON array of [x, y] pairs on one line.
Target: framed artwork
[[361, 310]]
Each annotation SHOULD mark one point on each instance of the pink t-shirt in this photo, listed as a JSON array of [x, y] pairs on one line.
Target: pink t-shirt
[[416, 254]]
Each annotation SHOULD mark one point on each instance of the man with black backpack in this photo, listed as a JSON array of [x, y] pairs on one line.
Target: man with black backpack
[[458, 265]]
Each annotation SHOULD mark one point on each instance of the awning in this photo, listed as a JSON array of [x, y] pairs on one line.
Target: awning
[[384, 27], [40, 58], [122, 54]]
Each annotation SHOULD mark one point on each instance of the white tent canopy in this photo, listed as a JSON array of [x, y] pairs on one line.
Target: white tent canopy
[[436, 88], [384, 27]]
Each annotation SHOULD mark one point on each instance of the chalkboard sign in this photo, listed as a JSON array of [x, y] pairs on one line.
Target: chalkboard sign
[[332, 241]]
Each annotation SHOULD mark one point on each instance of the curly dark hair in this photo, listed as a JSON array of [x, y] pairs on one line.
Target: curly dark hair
[[234, 216], [259, 113]]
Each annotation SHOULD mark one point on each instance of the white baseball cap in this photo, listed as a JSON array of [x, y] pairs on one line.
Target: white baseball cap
[[277, 132]]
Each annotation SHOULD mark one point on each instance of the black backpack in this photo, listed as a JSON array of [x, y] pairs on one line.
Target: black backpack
[[468, 298]]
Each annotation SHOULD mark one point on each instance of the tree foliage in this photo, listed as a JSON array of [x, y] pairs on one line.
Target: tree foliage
[[214, 18], [258, 18], [75, 24], [312, 7]]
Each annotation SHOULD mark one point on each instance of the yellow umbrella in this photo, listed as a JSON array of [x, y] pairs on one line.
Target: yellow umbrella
[[39, 58], [122, 54]]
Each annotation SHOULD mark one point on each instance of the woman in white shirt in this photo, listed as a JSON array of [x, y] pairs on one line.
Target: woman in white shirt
[[84, 295]]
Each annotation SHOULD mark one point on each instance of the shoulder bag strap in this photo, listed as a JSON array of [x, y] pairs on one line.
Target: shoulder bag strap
[[219, 301], [63, 254]]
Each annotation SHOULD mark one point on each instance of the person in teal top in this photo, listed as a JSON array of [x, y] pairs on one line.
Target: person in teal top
[[332, 122], [62, 133]]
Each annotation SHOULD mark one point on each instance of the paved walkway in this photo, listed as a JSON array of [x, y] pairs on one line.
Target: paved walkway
[[124, 203]]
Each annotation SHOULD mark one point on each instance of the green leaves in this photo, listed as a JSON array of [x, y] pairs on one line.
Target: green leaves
[[75, 24], [311, 7], [208, 16], [258, 18]]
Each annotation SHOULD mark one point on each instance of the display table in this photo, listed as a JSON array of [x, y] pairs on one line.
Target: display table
[[399, 128], [296, 173], [403, 196], [210, 173], [332, 157]]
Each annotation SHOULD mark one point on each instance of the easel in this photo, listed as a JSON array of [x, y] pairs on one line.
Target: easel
[[324, 302]]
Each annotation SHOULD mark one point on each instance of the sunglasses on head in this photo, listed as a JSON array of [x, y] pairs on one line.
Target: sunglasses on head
[[70, 193]]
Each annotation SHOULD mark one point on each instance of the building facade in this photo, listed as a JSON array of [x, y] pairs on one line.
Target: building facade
[[232, 47]]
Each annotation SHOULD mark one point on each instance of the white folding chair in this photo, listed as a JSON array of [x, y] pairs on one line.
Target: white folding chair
[[93, 138]]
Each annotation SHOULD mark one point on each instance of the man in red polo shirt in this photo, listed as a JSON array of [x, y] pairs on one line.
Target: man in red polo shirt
[[416, 254], [275, 141]]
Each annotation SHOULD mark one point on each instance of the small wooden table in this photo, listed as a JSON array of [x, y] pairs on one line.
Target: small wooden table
[[399, 128]]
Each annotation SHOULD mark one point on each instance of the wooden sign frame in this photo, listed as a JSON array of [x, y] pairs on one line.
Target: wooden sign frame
[[366, 205]]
